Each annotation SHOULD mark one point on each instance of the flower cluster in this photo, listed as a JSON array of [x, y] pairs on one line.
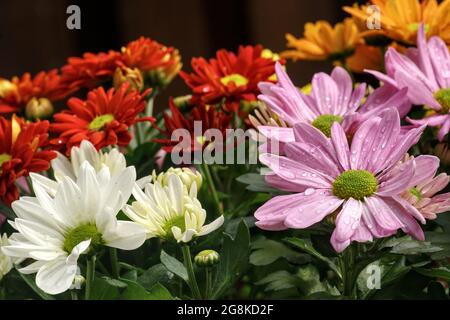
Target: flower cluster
[[341, 176]]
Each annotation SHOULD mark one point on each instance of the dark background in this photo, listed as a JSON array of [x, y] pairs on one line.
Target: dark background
[[34, 37]]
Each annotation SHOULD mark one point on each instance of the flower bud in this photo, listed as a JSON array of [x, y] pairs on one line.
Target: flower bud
[[186, 175], [78, 282], [38, 108], [6, 88], [128, 75], [207, 258]]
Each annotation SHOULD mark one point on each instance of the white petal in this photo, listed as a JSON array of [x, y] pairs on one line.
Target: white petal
[[127, 236], [56, 276], [216, 224]]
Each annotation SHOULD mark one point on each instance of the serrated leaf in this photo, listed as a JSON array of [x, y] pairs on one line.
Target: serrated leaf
[[156, 274], [441, 272], [279, 280], [409, 246]]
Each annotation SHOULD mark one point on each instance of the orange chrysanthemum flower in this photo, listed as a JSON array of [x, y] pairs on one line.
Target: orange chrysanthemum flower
[[365, 57], [103, 118], [21, 153], [158, 63], [321, 41], [34, 95], [205, 116], [230, 78], [400, 19], [90, 70]]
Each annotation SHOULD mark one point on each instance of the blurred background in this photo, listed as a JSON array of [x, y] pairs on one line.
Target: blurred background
[[34, 37]]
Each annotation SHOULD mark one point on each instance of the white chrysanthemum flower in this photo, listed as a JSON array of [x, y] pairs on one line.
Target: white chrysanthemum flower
[[170, 211], [81, 216], [187, 176], [5, 261], [63, 167]]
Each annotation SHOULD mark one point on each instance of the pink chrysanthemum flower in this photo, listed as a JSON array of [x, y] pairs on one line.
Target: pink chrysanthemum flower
[[361, 184], [425, 185], [332, 99], [425, 71]]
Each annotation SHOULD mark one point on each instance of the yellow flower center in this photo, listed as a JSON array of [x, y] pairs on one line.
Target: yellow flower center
[[99, 122], [239, 80], [80, 234], [325, 121], [355, 184], [4, 157], [443, 97]]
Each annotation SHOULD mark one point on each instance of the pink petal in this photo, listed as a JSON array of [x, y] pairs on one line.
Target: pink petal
[[424, 56], [426, 168], [340, 143], [348, 219], [384, 217], [397, 179], [429, 121], [338, 245], [277, 133], [272, 214], [279, 183], [295, 171], [406, 213], [440, 58], [325, 93], [387, 80], [320, 204], [308, 134], [345, 87], [444, 129], [312, 156]]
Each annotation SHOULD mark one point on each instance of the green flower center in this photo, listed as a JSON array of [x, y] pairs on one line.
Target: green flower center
[[80, 234], [239, 80], [416, 193], [3, 158], [100, 121], [175, 222], [355, 184], [443, 97], [414, 27], [325, 121]]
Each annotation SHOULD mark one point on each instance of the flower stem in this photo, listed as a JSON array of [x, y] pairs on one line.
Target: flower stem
[[114, 263], [346, 262], [208, 276], [90, 274], [211, 184], [73, 294], [190, 269]]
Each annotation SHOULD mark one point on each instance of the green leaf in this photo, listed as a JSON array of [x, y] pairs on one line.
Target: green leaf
[[309, 280], [135, 291], [104, 290], [267, 251], [306, 246], [256, 182], [115, 283], [409, 246], [155, 274], [233, 260], [441, 272], [279, 280], [174, 266]]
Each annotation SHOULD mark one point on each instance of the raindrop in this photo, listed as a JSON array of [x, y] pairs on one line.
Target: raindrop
[[309, 191]]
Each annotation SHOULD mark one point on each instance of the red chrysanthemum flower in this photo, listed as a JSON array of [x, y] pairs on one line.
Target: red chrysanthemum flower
[[90, 70], [103, 118], [36, 92], [156, 61], [206, 117], [21, 152], [230, 78]]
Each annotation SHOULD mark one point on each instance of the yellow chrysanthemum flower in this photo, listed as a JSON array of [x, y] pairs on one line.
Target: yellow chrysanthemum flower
[[400, 19], [322, 41]]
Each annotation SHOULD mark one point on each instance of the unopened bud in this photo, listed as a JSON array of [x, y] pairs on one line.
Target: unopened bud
[[127, 75], [207, 258], [38, 108], [6, 88]]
